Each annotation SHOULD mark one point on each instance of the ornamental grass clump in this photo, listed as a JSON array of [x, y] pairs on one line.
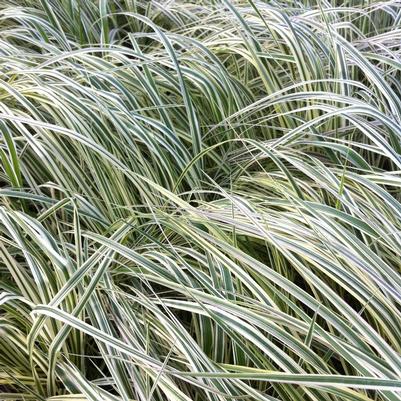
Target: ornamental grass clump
[[200, 200]]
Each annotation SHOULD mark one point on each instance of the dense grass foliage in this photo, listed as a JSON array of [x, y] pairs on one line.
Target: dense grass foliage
[[200, 200]]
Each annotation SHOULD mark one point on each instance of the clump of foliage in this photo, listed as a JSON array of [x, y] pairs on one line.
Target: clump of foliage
[[200, 200]]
